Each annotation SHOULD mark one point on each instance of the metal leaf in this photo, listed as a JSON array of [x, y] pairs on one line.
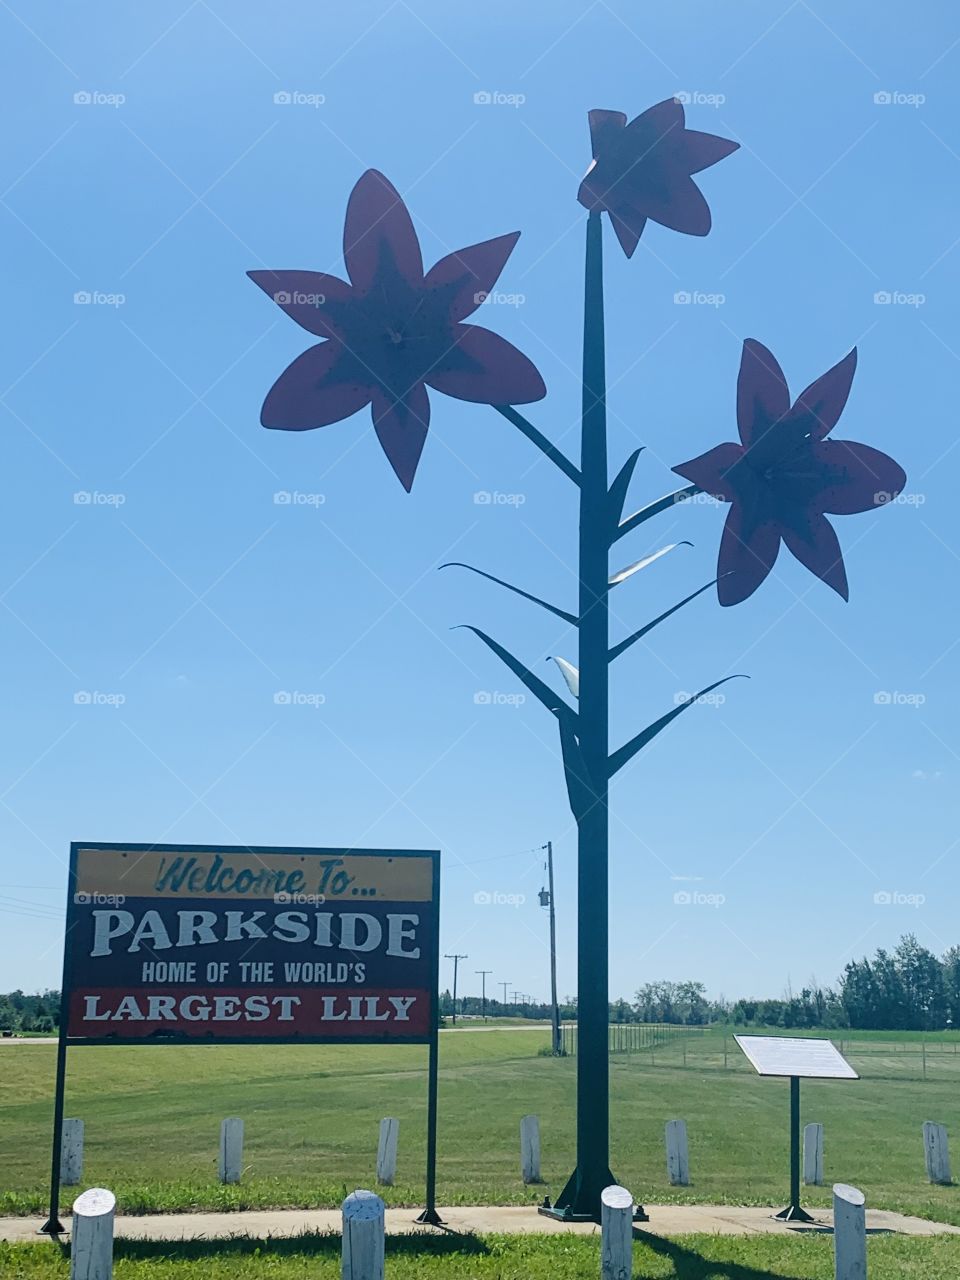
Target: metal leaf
[[551, 608], [654, 509], [571, 674], [630, 749], [617, 649], [617, 494], [540, 690], [580, 789], [631, 569]]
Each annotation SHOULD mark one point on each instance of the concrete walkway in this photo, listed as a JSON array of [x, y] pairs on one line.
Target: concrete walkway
[[665, 1220]]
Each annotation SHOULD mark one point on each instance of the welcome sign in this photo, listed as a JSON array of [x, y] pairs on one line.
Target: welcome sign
[[238, 944]]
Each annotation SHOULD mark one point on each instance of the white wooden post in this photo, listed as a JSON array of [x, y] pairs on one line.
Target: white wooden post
[[813, 1155], [936, 1152], [678, 1159], [71, 1153], [387, 1151], [363, 1237], [231, 1149], [849, 1233], [530, 1149], [91, 1246], [616, 1229]]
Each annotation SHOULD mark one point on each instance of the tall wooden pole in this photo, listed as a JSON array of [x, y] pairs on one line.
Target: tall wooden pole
[[557, 1047], [483, 982], [456, 962]]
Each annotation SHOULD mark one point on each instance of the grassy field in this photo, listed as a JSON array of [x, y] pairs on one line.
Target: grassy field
[[503, 1258], [152, 1121]]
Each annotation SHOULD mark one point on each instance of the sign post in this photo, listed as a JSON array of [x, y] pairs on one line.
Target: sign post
[[795, 1058], [249, 945]]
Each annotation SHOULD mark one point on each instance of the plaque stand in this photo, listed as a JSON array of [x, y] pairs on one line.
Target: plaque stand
[[793, 1212]]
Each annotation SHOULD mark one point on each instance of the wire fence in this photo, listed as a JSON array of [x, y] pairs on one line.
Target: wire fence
[[634, 1037], [666, 1045]]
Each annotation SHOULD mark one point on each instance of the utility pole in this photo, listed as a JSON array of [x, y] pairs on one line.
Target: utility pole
[[504, 985], [550, 903], [456, 961], [483, 982]]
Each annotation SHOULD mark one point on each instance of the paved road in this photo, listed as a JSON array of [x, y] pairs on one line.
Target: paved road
[[541, 1028]]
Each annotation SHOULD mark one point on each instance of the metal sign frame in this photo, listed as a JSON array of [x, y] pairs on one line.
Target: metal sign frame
[[794, 1212], [791, 1044], [52, 1226]]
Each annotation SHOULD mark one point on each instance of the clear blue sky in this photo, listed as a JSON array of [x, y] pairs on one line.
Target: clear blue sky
[[199, 598]]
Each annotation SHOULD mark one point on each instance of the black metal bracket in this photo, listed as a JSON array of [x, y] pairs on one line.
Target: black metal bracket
[[430, 1218], [793, 1213], [566, 1215]]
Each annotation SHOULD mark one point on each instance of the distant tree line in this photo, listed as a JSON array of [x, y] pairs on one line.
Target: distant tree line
[[908, 989], [474, 1007], [19, 1012]]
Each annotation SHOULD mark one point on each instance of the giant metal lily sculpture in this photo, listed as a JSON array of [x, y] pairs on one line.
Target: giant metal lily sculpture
[[393, 331]]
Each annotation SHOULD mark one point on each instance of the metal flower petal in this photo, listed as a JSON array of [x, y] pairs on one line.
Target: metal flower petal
[[317, 389], [762, 394], [784, 477], [468, 275], [482, 367], [642, 170], [313, 299], [401, 427], [378, 235], [391, 331]]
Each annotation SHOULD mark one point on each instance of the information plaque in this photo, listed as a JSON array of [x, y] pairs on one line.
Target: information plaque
[[803, 1057], [795, 1058]]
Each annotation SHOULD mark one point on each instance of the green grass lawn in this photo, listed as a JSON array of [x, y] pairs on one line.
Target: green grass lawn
[[502, 1258], [153, 1114]]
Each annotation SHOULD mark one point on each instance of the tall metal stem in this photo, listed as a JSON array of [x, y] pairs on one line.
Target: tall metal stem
[[581, 1196]]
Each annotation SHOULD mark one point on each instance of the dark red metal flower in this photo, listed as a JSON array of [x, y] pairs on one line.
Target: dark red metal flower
[[642, 170], [785, 476], [393, 331]]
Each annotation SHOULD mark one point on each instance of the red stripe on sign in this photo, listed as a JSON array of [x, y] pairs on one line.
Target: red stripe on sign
[[272, 1012]]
